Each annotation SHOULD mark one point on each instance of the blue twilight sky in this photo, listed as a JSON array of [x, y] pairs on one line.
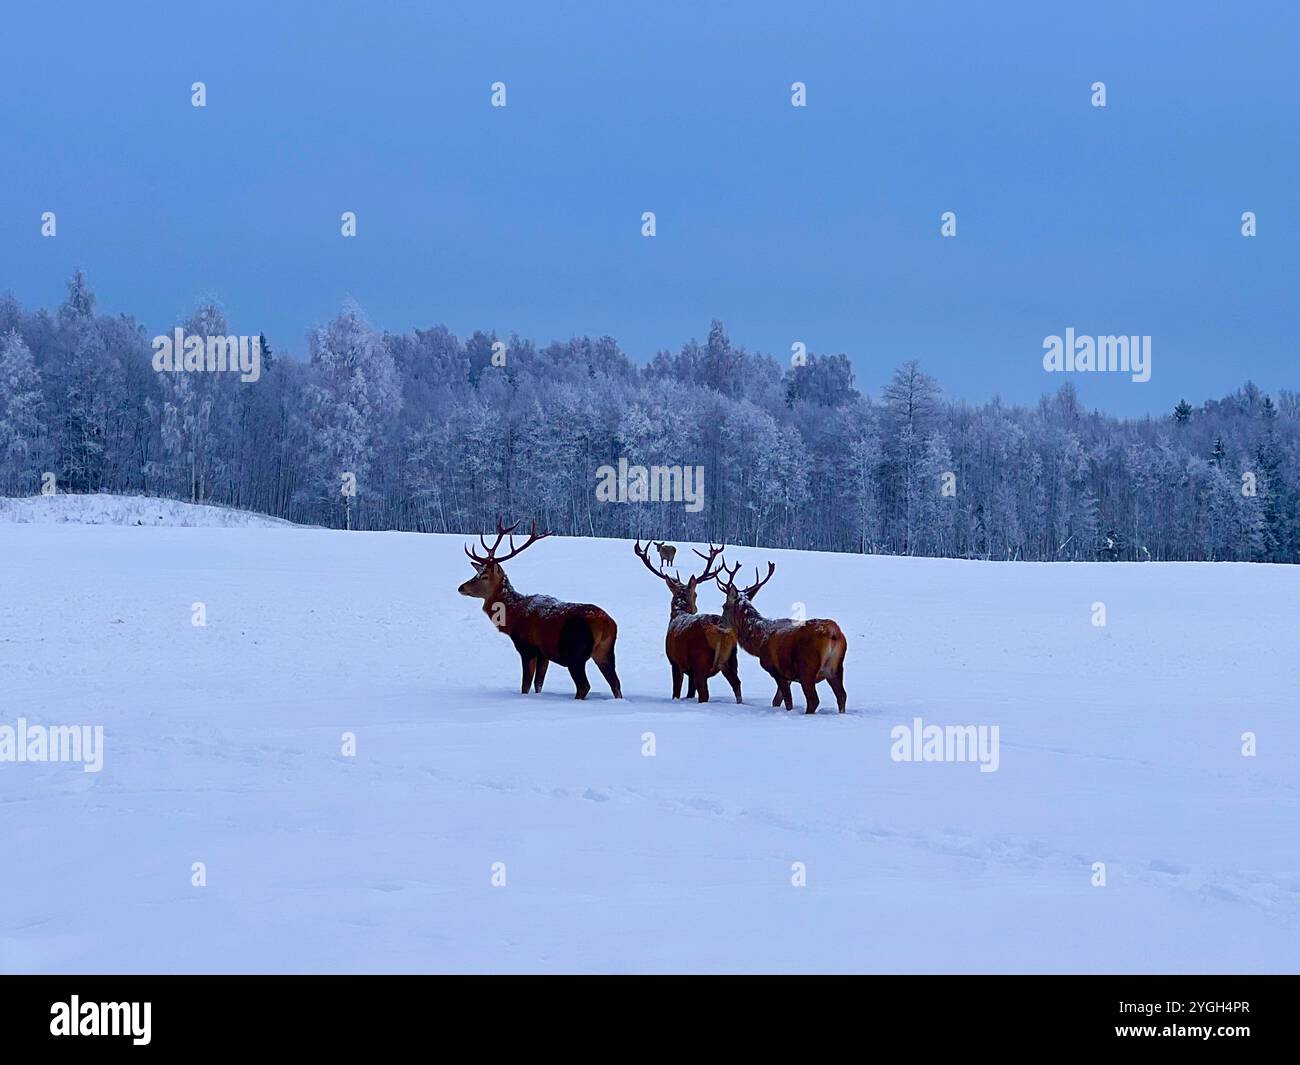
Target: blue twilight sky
[[819, 224]]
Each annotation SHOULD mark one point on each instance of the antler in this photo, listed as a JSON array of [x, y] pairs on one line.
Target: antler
[[533, 537], [708, 573], [503, 532], [752, 590], [490, 555], [644, 556]]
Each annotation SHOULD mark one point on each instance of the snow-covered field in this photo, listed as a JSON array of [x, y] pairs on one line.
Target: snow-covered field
[[222, 744], [127, 510]]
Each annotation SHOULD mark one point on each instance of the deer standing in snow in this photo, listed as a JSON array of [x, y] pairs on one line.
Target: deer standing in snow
[[807, 651], [698, 646], [543, 630]]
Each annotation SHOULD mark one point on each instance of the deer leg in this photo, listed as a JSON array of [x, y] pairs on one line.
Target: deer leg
[[611, 678], [782, 695], [529, 663], [602, 653], [731, 671], [542, 663], [702, 686], [677, 681], [786, 697], [690, 685], [836, 681], [810, 695], [579, 675], [606, 667]]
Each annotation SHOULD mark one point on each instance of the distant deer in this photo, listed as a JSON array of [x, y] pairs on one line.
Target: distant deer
[[697, 645], [667, 553], [543, 629], [788, 651]]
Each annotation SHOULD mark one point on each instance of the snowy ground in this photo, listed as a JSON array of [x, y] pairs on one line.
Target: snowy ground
[[127, 510], [222, 745]]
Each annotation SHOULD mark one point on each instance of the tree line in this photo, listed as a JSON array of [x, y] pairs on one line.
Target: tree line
[[442, 434]]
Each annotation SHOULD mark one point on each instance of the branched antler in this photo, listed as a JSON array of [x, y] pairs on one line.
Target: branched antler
[[644, 556], [752, 590], [731, 572], [708, 573], [503, 532]]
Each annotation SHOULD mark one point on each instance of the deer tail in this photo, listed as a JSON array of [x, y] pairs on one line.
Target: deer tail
[[724, 649], [604, 631], [833, 653]]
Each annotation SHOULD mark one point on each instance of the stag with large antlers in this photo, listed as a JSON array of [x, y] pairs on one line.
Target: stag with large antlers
[[543, 630], [698, 646], [803, 651]]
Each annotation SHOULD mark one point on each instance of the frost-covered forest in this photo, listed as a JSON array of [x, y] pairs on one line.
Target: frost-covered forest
[[444, 433]]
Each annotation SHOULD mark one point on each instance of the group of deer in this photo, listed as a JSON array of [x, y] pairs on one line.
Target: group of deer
[[698, 646]]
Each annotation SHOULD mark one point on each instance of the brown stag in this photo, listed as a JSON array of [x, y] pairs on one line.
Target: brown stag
[[698, 646], [543, 630], [806, 651], [667, 553]]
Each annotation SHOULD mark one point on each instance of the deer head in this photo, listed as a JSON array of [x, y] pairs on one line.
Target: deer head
[[735, 594], [683, 592], [488, 574]]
